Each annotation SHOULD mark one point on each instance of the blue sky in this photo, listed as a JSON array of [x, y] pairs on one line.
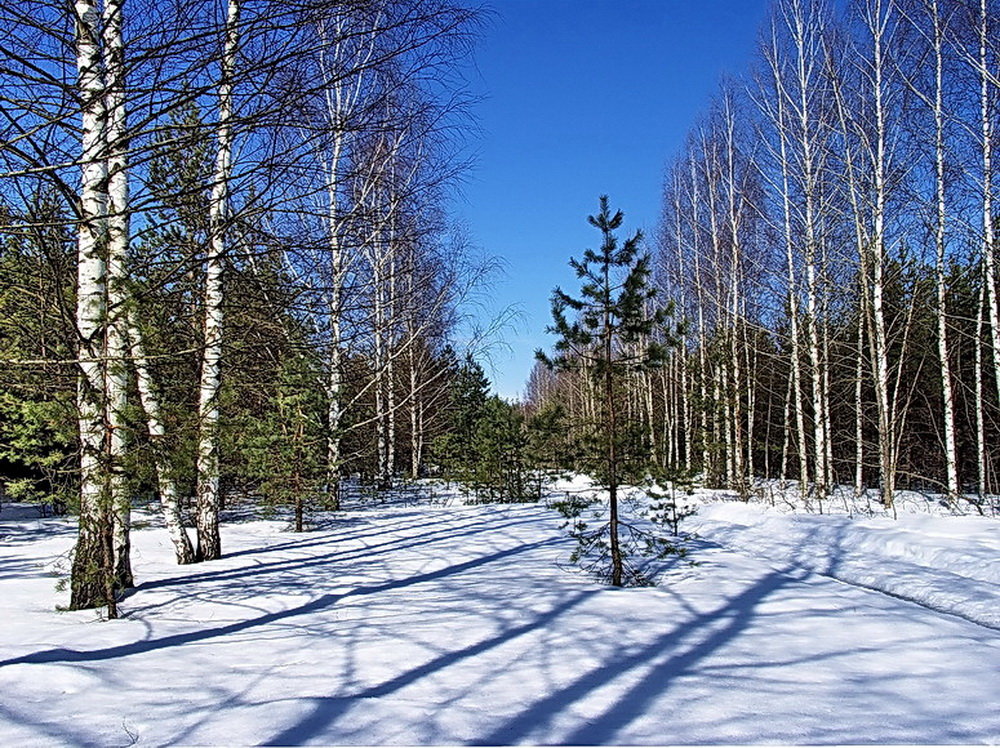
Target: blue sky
[[583, 98]]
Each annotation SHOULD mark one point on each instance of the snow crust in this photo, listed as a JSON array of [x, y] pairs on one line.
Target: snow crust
[[449, 624], [949, 563]]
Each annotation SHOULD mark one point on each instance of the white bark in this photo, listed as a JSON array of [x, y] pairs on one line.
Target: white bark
[[118, 242], [981, 477], [859, 433], [989, 239], [209, 542], [734, 197], [342, 96], [804, 29], [92, 564], [940, 229], [168, 491], [877, 19], [781, 125]]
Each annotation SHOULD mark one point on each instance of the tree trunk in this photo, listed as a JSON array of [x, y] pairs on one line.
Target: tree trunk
[[91, 580], [880, 355], [169, 493], [209, 541], [118, 242], [617, 565], [940, 227], [989, 245]]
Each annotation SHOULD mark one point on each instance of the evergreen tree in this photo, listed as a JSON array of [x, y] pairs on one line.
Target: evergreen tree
[[611, 335], [38, 439], [285, 450], [550, 446], [468, 393], [498, 455]]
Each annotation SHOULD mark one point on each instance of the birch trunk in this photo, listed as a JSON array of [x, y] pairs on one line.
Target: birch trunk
[[880, 354], [687, 427], [390, 373], [989, 245], [342, 96], [209, 542], [793, 307], [118, 242], [168, 491], [734, 198], [91, 580], [334, 384], [859, 445], [803, 29], [940, 227], [981, 478]]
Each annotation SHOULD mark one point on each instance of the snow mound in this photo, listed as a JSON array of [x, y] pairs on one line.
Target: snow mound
[[950, 564]]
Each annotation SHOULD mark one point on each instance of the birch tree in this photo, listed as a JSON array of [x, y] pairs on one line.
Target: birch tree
[[92, 580], [209, 541]]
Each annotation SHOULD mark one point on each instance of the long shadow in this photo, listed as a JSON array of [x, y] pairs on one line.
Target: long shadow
[[336, 525], [53, 732], [14, 535], [285, 565], [327, 709], [636, 701], [630, 706], [325, 601]]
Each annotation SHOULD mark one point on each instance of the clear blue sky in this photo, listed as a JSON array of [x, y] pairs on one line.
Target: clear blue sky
[[583, 98]]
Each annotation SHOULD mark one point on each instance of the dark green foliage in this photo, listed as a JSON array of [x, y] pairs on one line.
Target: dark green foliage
[[612, 329], [38, 432], [551, 449], [668, 509], [486, 445], [648, 531], [285, 450], [468, 392], [499, 456]]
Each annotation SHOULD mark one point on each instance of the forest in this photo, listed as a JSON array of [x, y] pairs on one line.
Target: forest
[[228, 272], [258, 488], [828, 241]]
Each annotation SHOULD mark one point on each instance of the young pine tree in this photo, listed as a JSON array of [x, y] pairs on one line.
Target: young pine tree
[[616, 328]]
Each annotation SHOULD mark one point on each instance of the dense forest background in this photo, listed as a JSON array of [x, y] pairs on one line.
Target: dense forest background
[[227, 269], [828, 236]]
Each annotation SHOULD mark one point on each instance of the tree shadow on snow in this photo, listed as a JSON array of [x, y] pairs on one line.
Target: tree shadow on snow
[[667, 658], [60, 654]]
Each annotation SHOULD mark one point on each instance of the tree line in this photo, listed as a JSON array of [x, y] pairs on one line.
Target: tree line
[[226, 265], [828, 236]]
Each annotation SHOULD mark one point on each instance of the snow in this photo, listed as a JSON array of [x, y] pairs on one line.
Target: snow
[[443, 623], [951, 564]]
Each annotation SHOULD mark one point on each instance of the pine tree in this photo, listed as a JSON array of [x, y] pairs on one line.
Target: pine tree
[[468, 393], [614, 333]]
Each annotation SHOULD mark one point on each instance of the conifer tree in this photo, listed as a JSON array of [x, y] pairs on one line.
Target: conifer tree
[[616, 329]]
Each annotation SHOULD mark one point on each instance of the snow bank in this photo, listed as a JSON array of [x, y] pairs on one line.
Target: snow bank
[[950, 564]]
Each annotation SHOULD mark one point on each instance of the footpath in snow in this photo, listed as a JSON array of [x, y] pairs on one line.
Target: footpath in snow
[[465, 625]]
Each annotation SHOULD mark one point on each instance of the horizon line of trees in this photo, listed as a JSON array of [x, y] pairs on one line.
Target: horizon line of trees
[[828, 236]]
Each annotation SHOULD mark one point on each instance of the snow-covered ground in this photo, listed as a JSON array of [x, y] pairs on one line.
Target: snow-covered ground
[[444, 623], [951, 564]]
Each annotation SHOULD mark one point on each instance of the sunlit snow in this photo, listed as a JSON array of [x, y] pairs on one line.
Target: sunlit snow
[[438, 623]]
